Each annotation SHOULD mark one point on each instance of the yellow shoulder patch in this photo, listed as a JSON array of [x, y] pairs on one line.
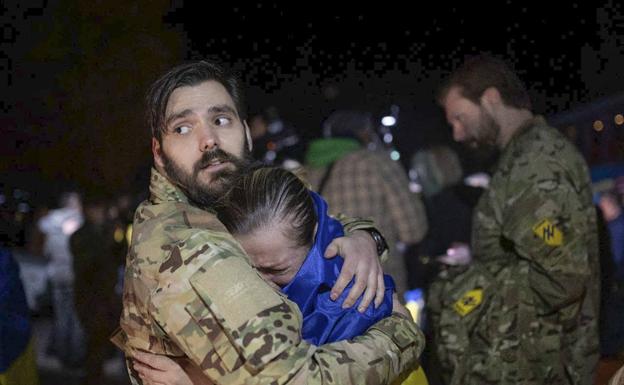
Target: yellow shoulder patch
[[548, 232], [468, 302]]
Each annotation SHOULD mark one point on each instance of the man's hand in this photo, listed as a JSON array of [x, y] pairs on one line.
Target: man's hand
[[159, 370], [360, 260], [457, 255]]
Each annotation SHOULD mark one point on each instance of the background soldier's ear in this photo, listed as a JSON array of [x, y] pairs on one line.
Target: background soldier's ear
[[490, 99]]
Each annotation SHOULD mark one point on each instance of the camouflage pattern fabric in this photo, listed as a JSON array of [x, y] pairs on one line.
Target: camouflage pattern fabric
[[526, 311], [191, 291], [618, 377]]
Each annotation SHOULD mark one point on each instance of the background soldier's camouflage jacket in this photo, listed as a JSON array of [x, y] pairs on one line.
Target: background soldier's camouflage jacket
[[190, 291], [525, 311]]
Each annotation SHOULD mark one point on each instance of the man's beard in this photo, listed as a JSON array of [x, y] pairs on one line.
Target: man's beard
[[486, 132], [207, 195]]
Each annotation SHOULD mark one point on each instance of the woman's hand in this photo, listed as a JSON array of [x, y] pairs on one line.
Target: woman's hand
[[156, 369]]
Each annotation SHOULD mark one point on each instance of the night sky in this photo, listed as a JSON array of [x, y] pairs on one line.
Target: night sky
[[74, 73]]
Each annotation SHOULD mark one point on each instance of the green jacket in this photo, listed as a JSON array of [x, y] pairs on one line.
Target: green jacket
[[190, 291], [526, 310]]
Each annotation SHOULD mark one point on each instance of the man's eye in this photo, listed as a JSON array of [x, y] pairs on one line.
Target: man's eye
[[182, 130], [222, 120]]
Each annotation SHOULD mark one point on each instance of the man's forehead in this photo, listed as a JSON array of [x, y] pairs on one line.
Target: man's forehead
[[453, 95], [198, 98]]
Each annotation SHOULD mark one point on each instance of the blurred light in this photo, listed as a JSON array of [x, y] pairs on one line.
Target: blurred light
[[388, 121], [19, 217], [129, 234], [270, 156], [271, 146], [2, 199], [477, 180], [118, 235], [413, 174], [394, 155], [275, 126], [598, 126], [415, 187], [415, 304], [619, 119], [70, 226], [290, 164], [387, 138], [23, 207]]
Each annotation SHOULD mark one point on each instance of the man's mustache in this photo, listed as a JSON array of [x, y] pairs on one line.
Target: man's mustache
[[214, 155]]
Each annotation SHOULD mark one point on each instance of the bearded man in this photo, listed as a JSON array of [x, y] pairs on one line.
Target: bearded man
[[525, 310], [190, 292]]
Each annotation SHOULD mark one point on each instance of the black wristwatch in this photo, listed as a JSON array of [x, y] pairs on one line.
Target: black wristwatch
[[380, 241]]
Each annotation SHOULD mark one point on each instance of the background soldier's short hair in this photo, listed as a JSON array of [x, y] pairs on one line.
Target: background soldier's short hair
[[188, 74], [481, 72]]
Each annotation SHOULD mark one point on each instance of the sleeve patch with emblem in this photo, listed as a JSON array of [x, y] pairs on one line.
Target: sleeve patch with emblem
[[468, 302], [548, 232]]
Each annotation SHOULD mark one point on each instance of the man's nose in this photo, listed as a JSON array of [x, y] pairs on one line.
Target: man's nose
[[208, 140]]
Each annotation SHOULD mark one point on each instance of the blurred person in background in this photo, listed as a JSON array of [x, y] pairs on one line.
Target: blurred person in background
[[67, 340], [613, 215], [612, 272], [366, 183], [275, 141], [97, 257], [439, 173]]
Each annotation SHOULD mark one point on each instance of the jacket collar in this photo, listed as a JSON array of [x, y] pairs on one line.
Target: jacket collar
[[162, 190]]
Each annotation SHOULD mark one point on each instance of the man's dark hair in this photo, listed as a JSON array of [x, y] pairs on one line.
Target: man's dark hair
[[188, 74], [266, 196], [481, 72]]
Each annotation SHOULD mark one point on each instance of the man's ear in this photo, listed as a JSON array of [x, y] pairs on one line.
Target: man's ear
[[157, 152], [248, 135], [491, 99]]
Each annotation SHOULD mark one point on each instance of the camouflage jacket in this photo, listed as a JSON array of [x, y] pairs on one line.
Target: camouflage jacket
[[526, 311], [190, 291]]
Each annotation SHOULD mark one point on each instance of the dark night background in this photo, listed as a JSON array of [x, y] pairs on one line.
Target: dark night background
[[73, 76], [74, 72]]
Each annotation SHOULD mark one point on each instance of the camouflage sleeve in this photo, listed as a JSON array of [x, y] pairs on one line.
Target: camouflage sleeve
[[546, 222], [238, 329], [353, 224], [405, 208]]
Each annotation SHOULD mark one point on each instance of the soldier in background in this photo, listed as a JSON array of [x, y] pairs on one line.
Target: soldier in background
[[525, 311], [190, 292]]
